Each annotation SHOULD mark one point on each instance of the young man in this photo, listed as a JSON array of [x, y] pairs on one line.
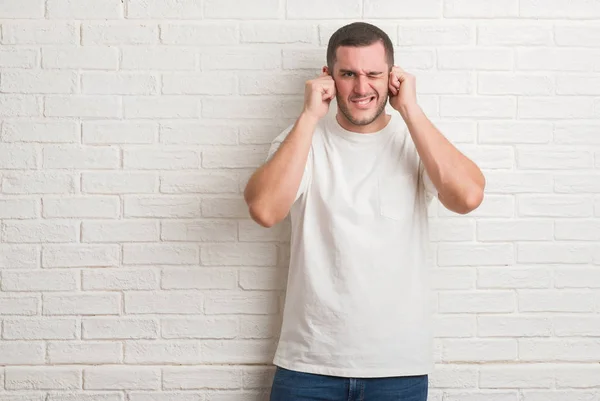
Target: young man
[[357, 317]]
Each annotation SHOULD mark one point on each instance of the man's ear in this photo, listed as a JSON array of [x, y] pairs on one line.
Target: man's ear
[[326, 70]]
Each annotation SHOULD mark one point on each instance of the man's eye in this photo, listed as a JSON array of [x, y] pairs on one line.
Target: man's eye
[[347, 74]]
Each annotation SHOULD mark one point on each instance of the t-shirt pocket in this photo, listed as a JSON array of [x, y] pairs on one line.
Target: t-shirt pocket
[[397, 194]]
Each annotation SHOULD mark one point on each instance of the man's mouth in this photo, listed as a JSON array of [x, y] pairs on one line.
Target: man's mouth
[[363, 102]]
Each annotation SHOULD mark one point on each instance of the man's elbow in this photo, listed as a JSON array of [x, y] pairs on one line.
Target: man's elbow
[[262, 216]]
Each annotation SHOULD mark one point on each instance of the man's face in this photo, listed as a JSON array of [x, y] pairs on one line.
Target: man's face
[[361, 77]]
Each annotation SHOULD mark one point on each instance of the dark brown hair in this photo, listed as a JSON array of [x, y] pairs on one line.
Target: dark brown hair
[[358, 34]]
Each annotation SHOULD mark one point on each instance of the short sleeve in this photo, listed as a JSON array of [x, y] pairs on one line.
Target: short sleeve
[[307, 168]]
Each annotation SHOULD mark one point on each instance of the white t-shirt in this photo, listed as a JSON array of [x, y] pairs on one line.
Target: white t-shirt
[[358, 297]]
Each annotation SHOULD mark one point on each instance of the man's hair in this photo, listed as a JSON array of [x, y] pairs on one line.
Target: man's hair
[[358, 34]]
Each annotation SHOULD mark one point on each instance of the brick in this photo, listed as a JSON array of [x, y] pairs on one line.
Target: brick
[[575, 326], [18, 157], [555, 395], [151, 9], [263, 279], [555, 107], [241, 157], [42, 378], [166, 396], [490, 157], [554, 206], [224, 59], [513, 326], [119, 183], [454, 376], [481, 350], [37, 232], [199, 84], [577, 35], [518, 182], [259, 327], [41, 131], [22, 9], [522, 230], [444, 82], [238, 352], [163, 206], [36, 280], [84, 9], [252, 9], [453, 279], [171, 106], [438, 34], [485, 59], [277, 32], [204, 327], [190, 378], [19, 106], [91, 207], [40, 33], [109, 33], [119, 279], [240, 108], [554, 158], [480, 9], [477, 302], [40, 329], [109, 83], [22, 353], [514, 132], [505, 277], [563, 301], [514, 84], [561, 350], [19, 256], [557, 59], [87, 58], [513, 34], [578, 85], [143, 352], [239, 254], [258, 377], [153, 58], [198, 183], [228, 208], [559, 9], [18, 58], [114, 328], [310, 59], [84, 352], [119, 231], [164, 302], [194, 133], [274, 83], [582, 230], [576, 278], [455, 254], [447, 229], [88, 304], [453, 326], [575, 133], [75, 157], [164, 159], [199, 231], [248, 303], [121, 378], [19, 305], [478, 107], [19, 208], [85, 397], [168, 254], [577, 376], [554, 253], [80, 255], [119, 132], [203, 34], [417, 59], [516, 376], [313, 9], [251, 232], [458, 131], [82, 106], [390, 9], [199, 278]]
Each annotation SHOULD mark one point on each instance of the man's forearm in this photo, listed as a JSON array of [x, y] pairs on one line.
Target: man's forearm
[[458, 180]]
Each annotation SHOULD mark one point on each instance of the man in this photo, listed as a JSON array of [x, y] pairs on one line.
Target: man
[[357, 317]]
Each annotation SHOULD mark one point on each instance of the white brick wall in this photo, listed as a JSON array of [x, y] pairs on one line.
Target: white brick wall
[[129, 128]]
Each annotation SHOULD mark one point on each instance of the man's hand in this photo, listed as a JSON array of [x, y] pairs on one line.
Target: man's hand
[[318, 94], [403, 90]]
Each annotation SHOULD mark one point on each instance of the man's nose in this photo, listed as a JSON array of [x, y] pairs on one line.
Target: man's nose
[[361, 85]]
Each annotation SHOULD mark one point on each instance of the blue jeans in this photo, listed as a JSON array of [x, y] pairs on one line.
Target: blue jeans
[[289, 385]]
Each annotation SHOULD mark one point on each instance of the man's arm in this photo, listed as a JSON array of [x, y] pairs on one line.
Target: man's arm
[[458, 180]]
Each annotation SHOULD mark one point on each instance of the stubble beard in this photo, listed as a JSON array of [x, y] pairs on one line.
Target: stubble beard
[[365, 121]]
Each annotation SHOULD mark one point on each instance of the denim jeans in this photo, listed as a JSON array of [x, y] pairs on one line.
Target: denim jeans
[[290, 385]]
